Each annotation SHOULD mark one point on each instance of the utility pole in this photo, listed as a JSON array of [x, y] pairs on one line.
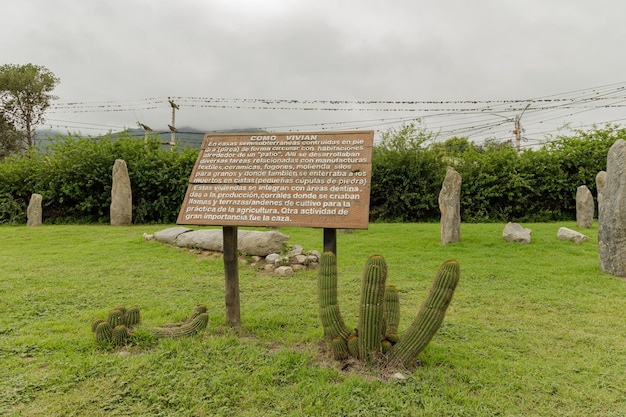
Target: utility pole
[[518, 132], [173, 125], [518, 129], [147, 130]]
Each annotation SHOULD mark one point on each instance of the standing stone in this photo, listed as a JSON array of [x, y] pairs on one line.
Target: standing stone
[[612, 213], [600, 180], [34, 211], [450, 207], [121, 195], [585, 207]]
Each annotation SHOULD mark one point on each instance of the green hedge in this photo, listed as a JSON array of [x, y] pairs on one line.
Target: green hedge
[[74, 177], [408, 167], [499, 184]]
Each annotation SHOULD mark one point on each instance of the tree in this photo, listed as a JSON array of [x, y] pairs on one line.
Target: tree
[[10, 138], [25, 95]]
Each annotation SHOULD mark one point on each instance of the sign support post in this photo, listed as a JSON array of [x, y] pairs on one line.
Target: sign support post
[[231, 267], [330, 240]]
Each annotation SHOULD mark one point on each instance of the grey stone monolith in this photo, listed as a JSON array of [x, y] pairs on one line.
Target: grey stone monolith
[[450, 207], [600, 180], [612, 213], [34, 212], [585, 207], [121, 195]]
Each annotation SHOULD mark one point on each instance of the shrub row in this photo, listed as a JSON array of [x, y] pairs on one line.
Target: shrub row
[[74, 177], [408, 167], [499, 183]]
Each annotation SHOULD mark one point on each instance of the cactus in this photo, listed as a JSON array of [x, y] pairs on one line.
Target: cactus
[[393, 338], [429, 317], [340, 349], [103, 332], [392, 310], [120, 308], [132, 317], [95, 323], [199, 309], [353, 346], [119, 335], [115, 317], [371, 324], [329, 312], [196, 325]]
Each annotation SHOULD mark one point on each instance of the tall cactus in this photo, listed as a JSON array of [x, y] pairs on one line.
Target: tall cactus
[[429, 317], [372, 306], [329, 312]]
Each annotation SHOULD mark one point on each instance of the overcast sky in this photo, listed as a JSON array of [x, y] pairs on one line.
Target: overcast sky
[[119, 61]]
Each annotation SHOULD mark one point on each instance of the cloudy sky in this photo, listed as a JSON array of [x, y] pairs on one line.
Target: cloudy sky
[[456, 67]]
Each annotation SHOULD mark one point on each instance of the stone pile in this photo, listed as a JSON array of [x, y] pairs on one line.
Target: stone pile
[[266, 250]]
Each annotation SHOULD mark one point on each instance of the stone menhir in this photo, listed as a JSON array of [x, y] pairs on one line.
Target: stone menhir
[[585, 207], [34, 211], [600, 180], [612, 213], [450, 207], [121, 195]]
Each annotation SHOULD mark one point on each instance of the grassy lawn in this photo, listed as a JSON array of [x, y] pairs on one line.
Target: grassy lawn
[[533, 330]]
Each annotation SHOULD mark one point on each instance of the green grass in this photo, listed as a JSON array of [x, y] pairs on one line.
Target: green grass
[[533, 330]]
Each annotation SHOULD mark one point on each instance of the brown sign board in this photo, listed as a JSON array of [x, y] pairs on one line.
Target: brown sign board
[[317, 179]]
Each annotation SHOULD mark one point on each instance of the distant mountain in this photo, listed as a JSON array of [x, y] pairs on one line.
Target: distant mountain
[[186, 137]]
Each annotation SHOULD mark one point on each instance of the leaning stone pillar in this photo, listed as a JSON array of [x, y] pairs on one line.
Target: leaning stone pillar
[[450, 207], [34, 211], [612, 213], [121, 195]]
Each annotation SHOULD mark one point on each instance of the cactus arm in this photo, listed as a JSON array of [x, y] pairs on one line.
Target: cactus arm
[[392, 310], [429, 317], [198, 324], [371, 308], [329, 312]]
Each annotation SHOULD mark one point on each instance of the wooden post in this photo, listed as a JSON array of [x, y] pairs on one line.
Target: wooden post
[[330, 240], [231, 268]]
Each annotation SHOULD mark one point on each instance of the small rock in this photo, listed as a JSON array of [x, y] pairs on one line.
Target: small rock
[[513, 232], [568, 234], [284, 271], [271, 258], [298, 259], [398, 376], [296, 250]]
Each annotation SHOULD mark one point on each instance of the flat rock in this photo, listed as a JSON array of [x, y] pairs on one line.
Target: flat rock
[[250, 242], [171, 234]]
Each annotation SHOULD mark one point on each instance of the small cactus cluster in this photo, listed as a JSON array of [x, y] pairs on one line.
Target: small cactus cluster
[[117, 326], [376, 336], [120, 324]]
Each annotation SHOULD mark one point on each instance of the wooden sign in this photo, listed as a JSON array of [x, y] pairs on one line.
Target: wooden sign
[[319, 179]]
